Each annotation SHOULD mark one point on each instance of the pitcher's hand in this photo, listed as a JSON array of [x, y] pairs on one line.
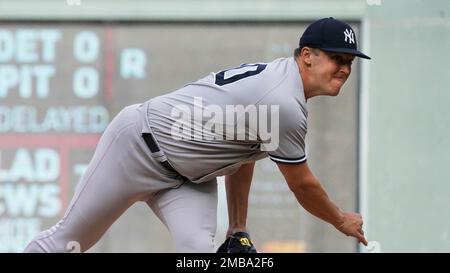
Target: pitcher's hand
[[351, 225]]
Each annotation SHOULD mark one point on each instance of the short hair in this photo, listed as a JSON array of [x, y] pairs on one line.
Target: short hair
[[298, 50]]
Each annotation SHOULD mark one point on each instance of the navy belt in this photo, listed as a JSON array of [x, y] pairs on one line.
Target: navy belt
[[151, 143]]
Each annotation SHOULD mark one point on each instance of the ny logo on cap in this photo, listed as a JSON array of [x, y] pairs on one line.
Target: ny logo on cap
[[349, 34]]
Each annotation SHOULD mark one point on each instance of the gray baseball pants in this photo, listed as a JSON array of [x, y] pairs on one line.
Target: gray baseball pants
[[122, 172]]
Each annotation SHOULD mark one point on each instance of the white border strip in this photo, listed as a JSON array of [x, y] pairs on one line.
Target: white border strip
[[282, 160]]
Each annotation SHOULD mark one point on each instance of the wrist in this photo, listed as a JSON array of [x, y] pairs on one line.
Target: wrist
[[339, 220]]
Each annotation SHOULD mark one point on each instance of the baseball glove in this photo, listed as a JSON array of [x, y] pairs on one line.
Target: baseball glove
[[239, 242]]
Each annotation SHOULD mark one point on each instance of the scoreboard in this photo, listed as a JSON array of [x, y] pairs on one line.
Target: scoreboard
[[56, 88], [62, 83]]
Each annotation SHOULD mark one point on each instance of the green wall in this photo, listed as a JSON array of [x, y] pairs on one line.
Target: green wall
[[408, 189]]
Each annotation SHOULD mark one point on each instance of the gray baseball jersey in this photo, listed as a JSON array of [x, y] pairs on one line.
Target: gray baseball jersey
[[201, 154], [125, 170]]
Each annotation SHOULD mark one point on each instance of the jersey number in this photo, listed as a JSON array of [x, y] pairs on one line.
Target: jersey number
[[248, 70]]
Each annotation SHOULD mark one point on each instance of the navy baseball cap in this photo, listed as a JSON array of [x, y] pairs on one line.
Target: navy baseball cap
[[331, 35]]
